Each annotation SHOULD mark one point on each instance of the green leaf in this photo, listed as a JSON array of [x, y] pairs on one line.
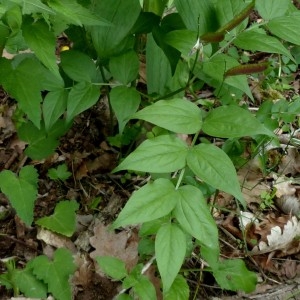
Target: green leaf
[[233, 275], [43, 42], [61, 172], [179, 290], [194, 216], [144, 289], [177, 115], [42, 143], [81, 97], [145, 23], [112, 267], [124, 101], [56, 273], [257, 41], [213, 166], [182, 40], [197, 15], [21, 191], [125, 67], [13, 18], [4, 34], [24, 85], [63, 220], [269, 9], [76, 14], [152, 201], [109, 41], [171, 53], [227, 10], [54, 105], [213, 71], [170, 249], [124, 297], [161, 154], [225, 121], [158, 68], [78, 66], [156, 6], [33, 6], [28, 284], [286, 28]]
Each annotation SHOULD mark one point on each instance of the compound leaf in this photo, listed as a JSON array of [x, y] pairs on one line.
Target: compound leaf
[[152, 201], [161, 154], [170, 249], [177, 115], [63, 220], [56, 273], [212, 165], [21, 191]]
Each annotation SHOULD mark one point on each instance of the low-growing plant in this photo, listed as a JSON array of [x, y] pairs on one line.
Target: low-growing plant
[[186, 47]]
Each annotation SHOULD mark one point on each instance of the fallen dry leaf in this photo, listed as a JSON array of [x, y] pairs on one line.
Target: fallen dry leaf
[[55, 240], [121, 245], [84, 273]]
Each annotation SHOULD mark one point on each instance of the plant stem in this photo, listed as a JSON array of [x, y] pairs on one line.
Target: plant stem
[[108, 98], [182, 171]]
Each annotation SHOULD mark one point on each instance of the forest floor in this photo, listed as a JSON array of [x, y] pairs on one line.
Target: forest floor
[[272, 203]]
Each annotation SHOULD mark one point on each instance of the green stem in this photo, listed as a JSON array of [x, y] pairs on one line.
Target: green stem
[[108, 98], [171, 94], [182, 171]]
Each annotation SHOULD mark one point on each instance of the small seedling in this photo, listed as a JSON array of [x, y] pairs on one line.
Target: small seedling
[[60, 173]]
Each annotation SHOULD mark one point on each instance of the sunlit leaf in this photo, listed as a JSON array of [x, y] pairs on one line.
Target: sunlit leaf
[[170, 248], [177, 115], [152, 201], [194, 216], [213, 166], [161, 154], [63, 220], [225, 121]]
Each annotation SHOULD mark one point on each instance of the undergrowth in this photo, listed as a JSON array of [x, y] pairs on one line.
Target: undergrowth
[[187, 46]]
